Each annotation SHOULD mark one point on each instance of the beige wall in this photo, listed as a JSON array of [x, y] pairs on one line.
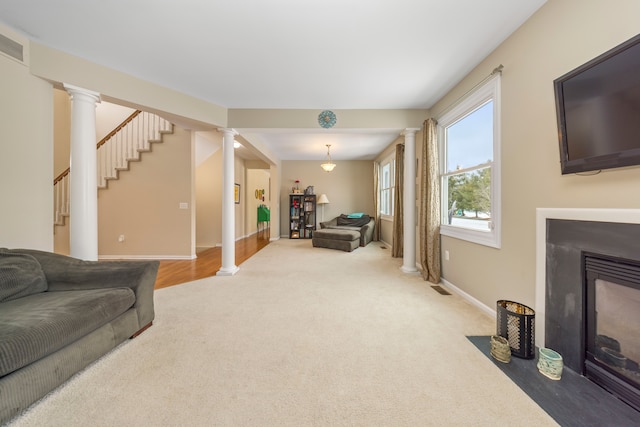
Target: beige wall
[[240, 174], [108, 117], [208, 206], [349, 119], [349, 187], [144, 204], [562, 35], [61, 131], [208, 201], [275, 174], [257, 179], [26, 158]]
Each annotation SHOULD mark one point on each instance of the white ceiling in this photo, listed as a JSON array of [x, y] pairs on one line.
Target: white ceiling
[[284, 54]]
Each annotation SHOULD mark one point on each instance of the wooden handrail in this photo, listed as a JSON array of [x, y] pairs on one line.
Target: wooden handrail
[[120, 126], [102, 142], [62, 175]]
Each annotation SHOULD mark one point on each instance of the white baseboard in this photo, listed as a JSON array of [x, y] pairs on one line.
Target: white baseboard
[[147, 257], [488, 310]]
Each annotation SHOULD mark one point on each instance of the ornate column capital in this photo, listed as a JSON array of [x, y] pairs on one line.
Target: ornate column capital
[[227, 131], [81, 93], [409, 131]]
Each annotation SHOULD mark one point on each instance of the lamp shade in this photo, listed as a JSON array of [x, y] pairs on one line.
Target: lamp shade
[[322, 200]]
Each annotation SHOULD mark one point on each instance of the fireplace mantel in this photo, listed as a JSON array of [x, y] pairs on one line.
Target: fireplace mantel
[[629, 216]]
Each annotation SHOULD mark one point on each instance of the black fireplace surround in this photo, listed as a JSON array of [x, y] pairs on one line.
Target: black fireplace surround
[[568, 243]]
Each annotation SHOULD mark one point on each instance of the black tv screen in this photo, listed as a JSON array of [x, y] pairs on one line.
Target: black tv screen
[[598, 108]]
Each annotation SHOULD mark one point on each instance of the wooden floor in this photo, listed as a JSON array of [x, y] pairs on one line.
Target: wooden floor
[[208, 262]]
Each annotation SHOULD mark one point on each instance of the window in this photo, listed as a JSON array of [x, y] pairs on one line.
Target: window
[[387, 184], [469, 136]]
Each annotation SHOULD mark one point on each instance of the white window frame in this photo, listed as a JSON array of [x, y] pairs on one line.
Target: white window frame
[[392, 172], [489, 91]]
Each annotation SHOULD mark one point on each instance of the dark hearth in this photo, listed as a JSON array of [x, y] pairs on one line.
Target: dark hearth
[[568, 244]]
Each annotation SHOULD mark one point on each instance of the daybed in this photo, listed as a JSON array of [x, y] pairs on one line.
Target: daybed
[[345, 232], [59, 314]]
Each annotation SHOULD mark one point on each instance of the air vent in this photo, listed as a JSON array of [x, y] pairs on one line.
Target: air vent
[[440, 290], [11, 48]]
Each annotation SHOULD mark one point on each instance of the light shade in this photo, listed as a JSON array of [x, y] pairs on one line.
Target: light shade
[[322, 200], [328, 165]]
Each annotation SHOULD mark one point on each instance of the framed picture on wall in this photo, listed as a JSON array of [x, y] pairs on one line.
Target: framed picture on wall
[[236, 194]]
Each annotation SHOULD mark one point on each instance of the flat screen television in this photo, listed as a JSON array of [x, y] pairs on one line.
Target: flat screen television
[[598, 108]]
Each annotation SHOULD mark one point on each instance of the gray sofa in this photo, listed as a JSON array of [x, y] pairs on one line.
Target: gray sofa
[[344, 233], [59, 314]]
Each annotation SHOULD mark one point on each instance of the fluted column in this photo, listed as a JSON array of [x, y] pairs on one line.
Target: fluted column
[[228, 267], [409, 249], [83, 186]]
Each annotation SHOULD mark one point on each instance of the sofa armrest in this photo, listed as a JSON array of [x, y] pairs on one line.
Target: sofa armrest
[[65, 273], [366, 233]]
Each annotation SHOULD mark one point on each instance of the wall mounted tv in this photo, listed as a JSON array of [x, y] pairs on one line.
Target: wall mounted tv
[[598, 108]]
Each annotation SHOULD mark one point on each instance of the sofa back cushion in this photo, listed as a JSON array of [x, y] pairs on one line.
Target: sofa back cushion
[[20, 275], [353, 222]]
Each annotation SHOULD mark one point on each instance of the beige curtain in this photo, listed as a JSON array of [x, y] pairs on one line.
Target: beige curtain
[[398, 212], [430, 205], [376, 200]]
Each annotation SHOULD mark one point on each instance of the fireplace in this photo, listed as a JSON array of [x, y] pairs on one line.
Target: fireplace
[[579, 254], [612, 325]]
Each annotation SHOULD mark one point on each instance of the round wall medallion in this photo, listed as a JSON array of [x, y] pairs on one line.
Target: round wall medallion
[[327, 119]]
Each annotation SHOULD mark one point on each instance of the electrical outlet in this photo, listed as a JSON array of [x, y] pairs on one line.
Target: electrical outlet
[[121, 238], [183, 205], [446, 255]]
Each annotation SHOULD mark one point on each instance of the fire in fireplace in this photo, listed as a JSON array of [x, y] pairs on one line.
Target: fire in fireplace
[[612, 325]]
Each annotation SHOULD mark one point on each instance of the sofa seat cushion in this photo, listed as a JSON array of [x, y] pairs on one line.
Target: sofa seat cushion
[[338, 233], [37, 325], [343, 227], [20, 275]]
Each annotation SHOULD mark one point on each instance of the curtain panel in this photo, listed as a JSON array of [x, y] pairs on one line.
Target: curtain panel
[[429, 230], [397, 250], [376, 200]]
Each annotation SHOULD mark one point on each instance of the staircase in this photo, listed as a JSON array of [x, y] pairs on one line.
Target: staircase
[[123, 145]]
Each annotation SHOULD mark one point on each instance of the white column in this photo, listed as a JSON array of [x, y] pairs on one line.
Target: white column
[[228, 267], [409, 250], [83, 186]]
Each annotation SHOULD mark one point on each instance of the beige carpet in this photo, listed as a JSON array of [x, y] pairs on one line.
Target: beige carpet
[[301, 336]]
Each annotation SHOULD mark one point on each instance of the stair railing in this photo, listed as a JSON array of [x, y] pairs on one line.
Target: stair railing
[[122, 145], [61, 197]]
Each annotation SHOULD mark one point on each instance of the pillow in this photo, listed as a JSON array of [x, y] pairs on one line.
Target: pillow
[[20, 275], [355, 215]]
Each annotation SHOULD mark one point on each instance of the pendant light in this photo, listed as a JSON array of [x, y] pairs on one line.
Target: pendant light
[[328, 165]]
